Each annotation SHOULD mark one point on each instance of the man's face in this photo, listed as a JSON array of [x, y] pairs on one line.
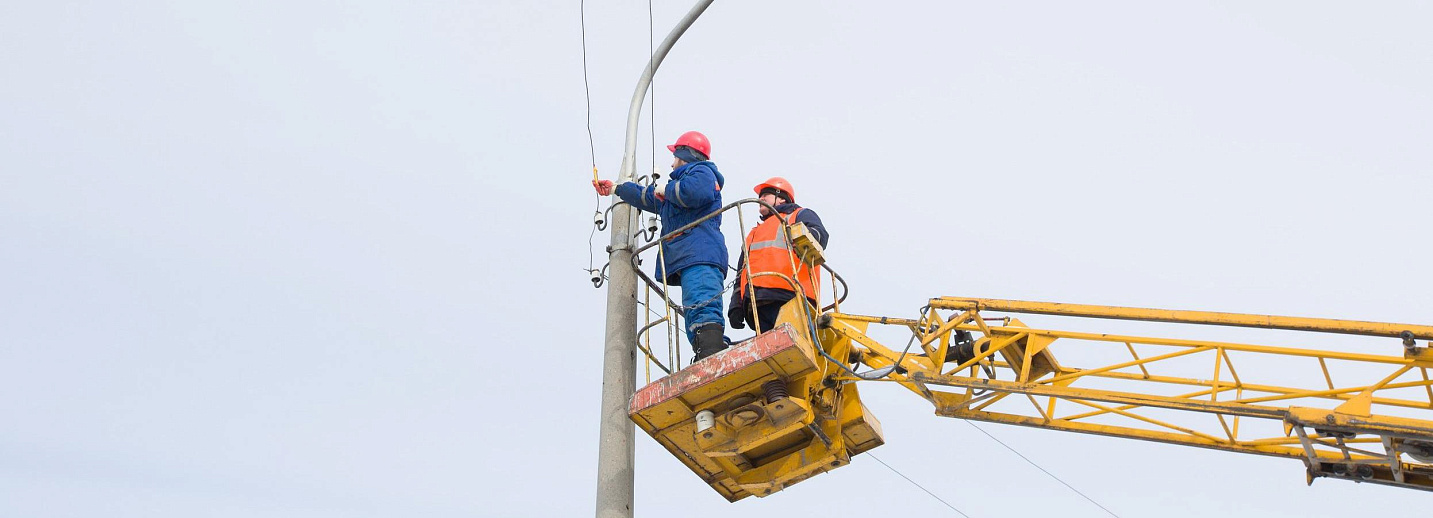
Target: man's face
[[768, 198], [677, 162]]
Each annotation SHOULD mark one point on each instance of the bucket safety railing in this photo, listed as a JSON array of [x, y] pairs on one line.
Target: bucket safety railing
[[672, 310]]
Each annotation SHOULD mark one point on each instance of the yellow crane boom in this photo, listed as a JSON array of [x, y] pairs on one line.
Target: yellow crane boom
[[1373, 426], [783, 406]]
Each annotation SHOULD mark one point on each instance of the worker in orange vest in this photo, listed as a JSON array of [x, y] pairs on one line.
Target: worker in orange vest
[[770, 252]]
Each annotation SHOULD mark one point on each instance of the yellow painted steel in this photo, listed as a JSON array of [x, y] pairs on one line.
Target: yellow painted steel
[[1377, 429], [763, 437], [1187, 317], [785, 405], [806, 246]]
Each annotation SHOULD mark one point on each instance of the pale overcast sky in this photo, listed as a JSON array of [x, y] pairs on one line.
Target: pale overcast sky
[[325, 258]]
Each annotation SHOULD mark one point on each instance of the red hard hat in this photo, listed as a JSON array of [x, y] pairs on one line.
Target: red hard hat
[[777, 182], [695, 140]]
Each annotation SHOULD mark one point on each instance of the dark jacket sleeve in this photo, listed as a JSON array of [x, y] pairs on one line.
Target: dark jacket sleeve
[[643, 198], [697, 188], [813, 223], [736, 310]]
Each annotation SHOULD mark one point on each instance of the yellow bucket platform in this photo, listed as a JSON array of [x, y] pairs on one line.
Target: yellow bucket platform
[[770, 416]]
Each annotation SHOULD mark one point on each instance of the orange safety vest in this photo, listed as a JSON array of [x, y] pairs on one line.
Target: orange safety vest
[[769, 251]]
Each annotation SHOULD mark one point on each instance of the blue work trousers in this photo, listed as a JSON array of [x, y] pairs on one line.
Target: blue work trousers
[[701, 296]]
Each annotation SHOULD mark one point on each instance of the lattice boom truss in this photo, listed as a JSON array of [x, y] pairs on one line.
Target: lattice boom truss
[[1177, 391]]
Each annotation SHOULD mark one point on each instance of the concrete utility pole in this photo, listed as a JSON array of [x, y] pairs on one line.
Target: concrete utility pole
[[619, 357]]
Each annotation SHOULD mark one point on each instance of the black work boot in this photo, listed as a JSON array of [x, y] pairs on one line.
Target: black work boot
[[709, 340]]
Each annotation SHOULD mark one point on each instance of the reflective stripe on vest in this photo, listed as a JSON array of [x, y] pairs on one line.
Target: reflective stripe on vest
[[769, 252]]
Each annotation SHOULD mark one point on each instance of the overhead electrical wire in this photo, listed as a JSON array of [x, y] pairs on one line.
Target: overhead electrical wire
[[916, 484], [652, 87], [591, 147], [1002, 443], [598, 275], [673, 333], [1038, 467]]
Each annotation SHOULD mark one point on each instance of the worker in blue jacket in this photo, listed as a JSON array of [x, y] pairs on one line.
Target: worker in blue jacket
[[697, 258]]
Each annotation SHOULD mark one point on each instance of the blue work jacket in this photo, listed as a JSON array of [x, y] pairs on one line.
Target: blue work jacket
[[693, 191]]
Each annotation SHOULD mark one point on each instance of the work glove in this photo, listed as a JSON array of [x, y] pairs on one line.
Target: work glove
[[603, 187], [659, 185], [737, 314]]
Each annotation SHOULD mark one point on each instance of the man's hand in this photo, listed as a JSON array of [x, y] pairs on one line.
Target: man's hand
[[736, 315], [604, 187]]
